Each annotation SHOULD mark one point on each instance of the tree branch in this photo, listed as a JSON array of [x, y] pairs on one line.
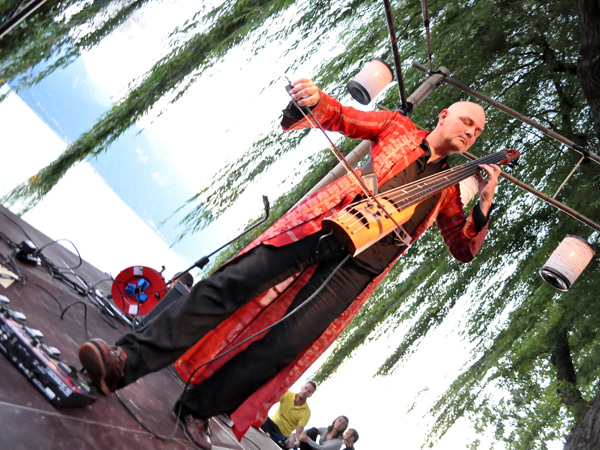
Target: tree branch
[[565, 373]]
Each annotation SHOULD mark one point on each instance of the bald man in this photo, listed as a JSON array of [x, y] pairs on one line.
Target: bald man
[[320, 269]]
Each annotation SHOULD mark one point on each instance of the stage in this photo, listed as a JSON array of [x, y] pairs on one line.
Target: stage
[[84, 419]]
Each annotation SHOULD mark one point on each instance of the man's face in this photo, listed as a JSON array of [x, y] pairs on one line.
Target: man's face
[[348, 438], [460, 125], [307, 390]]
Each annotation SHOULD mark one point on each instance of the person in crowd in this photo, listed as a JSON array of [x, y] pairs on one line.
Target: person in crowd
[[325, 438], [291, 416], [349, 439]]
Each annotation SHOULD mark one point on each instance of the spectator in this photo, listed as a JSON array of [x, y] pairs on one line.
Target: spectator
[[349, 439], [291, 417], [329, 438]]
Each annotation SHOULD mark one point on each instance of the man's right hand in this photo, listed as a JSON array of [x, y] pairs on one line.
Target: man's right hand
[[305, 92], [290, 442]]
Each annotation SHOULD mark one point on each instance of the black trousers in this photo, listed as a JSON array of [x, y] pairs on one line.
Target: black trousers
[[312, 433], [274, 432], [212, 300]]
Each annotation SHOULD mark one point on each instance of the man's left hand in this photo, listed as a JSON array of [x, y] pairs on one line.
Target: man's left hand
[[487, 187]]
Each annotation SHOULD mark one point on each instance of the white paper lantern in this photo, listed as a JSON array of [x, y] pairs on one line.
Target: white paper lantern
[[370, 81], [567, 262]]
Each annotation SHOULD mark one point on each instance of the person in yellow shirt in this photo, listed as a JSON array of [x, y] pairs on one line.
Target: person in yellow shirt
[[291, 416]]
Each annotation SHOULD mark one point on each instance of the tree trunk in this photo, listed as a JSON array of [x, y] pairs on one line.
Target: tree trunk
[[586, 432], [588, 66], [565, 373]]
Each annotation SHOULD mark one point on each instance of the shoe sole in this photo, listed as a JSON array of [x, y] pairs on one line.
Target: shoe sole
[[92, 362], [185, 433], [189, 438]]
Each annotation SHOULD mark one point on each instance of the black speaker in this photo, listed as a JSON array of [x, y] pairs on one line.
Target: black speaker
[[177, 291]]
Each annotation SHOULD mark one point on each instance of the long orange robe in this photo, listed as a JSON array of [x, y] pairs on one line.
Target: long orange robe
[[395, 145]]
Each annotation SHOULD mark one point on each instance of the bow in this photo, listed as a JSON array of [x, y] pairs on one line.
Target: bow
[[355, 177]]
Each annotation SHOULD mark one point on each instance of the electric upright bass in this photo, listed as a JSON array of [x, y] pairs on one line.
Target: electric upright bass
[[361, 224]]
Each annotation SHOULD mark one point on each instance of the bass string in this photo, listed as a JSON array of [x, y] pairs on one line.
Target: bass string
[[439, 182]]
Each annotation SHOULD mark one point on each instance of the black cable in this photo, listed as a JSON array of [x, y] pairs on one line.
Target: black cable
[[55, 272], [8, 240], [221, 355], [7, 276], [16, 224], [252, 442], [21, 278], [74, 247], [116, 283], [49, 293], [167, 438], [85, 329], [106, 318]]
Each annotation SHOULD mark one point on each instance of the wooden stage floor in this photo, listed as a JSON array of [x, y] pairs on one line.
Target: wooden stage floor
[[27, 418]]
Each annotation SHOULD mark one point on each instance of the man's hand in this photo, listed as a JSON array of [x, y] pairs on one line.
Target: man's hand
[[305, 92], [487, 187], [303, 437], [290, 442]]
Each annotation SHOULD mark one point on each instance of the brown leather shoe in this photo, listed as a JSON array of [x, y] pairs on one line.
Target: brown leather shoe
[[104, 364], [197, 431]]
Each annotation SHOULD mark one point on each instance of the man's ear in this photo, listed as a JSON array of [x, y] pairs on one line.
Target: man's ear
[[442, 116]]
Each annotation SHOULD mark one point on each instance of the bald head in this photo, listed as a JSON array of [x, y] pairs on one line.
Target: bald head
[[471, 109], [458, 128]]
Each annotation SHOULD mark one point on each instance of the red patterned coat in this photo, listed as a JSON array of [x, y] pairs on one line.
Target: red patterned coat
[[395, 144]]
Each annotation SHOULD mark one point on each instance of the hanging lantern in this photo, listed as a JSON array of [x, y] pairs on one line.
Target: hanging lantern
[[370, 81], [567, 262], [468, 188]]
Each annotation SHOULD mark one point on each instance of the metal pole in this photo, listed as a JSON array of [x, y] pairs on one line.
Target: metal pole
[[570, 211], [22, 12], [569, 176], [425, 8], [582, 150], [390, 21]]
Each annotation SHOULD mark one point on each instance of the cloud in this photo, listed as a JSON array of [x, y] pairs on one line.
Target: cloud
[[143, 158], [161, 178]]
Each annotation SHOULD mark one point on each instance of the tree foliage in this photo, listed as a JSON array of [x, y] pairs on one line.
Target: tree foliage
[[538, 346], [55, 36]]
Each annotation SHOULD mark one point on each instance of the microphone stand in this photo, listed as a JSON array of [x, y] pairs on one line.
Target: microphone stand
[[204, 260]]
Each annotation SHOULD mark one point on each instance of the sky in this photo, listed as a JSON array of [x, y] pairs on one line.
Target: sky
[[112, 207], [82, 207]]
